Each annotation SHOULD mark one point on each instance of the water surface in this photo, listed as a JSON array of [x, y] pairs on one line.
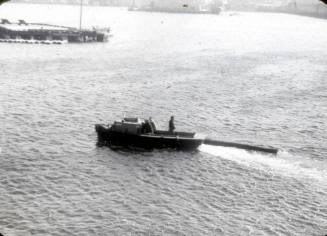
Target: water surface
[[250, 77]]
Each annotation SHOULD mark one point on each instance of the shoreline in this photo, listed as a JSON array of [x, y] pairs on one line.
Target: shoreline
[[300, 13], [320, 13]]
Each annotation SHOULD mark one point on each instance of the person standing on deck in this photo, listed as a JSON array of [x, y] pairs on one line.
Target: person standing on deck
[[171, 125], [153, 125]]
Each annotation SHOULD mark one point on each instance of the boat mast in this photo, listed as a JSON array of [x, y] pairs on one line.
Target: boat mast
[[80, 15]]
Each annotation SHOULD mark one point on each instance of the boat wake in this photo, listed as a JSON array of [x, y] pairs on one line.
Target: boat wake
[[282, 164]]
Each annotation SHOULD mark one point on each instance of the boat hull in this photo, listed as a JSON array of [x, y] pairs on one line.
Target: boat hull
[[160, 140]]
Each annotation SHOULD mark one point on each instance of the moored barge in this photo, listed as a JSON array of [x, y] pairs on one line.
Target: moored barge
[[23, 32]]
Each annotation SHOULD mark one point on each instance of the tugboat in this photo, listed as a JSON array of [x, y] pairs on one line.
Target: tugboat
[[137, 132]]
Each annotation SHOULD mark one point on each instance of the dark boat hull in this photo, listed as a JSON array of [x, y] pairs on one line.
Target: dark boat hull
[[160, 140]]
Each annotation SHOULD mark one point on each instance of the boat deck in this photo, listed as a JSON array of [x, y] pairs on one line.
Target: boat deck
[[167, 134]]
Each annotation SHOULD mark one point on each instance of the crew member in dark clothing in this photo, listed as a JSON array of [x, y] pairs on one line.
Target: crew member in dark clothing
[[146, 127], [171, 125]]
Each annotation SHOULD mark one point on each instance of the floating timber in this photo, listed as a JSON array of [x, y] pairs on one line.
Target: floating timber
[[23, 32], [240, 146]]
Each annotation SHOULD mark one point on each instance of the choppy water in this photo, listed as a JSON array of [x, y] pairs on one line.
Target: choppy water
[[251, 77]]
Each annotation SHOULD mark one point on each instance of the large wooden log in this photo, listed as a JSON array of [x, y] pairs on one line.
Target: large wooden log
[[241, 146]]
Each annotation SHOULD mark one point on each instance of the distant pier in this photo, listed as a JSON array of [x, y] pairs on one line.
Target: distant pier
[[38, 33]]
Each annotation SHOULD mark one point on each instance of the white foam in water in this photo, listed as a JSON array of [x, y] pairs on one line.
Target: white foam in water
[[283, 163]]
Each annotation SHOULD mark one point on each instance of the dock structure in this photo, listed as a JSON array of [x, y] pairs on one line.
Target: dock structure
[[23, 32], [179, 6]]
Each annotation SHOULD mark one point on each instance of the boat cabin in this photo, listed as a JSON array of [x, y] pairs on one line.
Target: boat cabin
[[128, 126]]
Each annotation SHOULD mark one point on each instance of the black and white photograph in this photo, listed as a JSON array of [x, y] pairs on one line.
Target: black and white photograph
[[163, 117]]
